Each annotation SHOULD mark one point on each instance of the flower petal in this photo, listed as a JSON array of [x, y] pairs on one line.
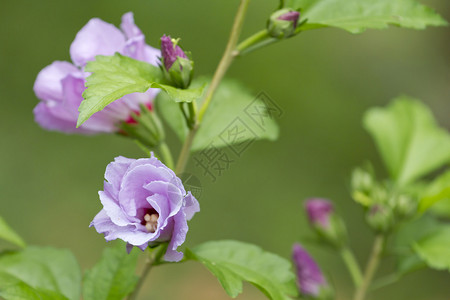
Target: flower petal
[[152, 55], [191, 206], [73, 88], [114, 211], [180, 230], [46, 115], [129, 27], [48, 82], [132, 194], [162, 207], [116, 170], [96, 38], [170, 192]]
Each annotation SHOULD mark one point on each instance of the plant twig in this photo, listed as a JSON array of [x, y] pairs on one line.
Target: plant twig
[[227, 57], [166, 154], [371, 268], [222, 68], [352, 266], [152, 259]]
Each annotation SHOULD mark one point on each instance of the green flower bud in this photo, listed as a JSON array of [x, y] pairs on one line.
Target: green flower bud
[[282, 23], [327, 224], [176, 65], [144, 126], [380, 217], [362, 180], [405, 206]]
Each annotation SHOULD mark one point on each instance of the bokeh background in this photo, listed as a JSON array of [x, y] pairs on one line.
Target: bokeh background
[[323, 80]]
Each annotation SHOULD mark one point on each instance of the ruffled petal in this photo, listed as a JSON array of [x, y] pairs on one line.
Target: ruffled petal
[[48, 84], [191, 206], [116, 170], [171, 193], [96, 38], [111, 231], [46, 115], [180, 230], [114, 211], [132, 195], [73, 88], [129, 27], [135, 48], [152, 55]]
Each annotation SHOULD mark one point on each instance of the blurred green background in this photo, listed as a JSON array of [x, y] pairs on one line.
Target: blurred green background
[[324, 81]]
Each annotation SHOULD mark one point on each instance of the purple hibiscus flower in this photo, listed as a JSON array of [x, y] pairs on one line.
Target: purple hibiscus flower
[[144, 204], [310, 279], [60, 85]]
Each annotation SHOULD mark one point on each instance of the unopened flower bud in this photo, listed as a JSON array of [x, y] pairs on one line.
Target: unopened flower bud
[[362, 180], [380, 217], [325, 222], [176, 65], [144, 126], [310, 279], [405, 206], [282, 23]]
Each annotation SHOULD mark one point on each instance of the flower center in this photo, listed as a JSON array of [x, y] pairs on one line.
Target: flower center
[[151, 221]]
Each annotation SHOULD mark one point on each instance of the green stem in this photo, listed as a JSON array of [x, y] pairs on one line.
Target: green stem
[[371, 268], [222, 68], [385, 281], [147, 267], [262, 38], [192, 107], [252, 40], [227, 57], [184, 154], [153, 259], [166, 155], [352, 266]]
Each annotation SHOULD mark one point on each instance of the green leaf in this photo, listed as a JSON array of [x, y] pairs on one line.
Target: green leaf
[[233, 262], [113, 277], [112, 78], [438, 190], [44, 270], [12, 288], [233, 107], [408, 138], [356, 16], [171, 113], [179, 95], [434, 249], [405, 238], [7, 234], [409, 263], [441, 208]]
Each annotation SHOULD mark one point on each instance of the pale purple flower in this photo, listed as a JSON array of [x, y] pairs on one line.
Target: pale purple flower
[[60, 85], [310, 279], [319, 212], [291, 16], [144, 204], [170, 52]]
